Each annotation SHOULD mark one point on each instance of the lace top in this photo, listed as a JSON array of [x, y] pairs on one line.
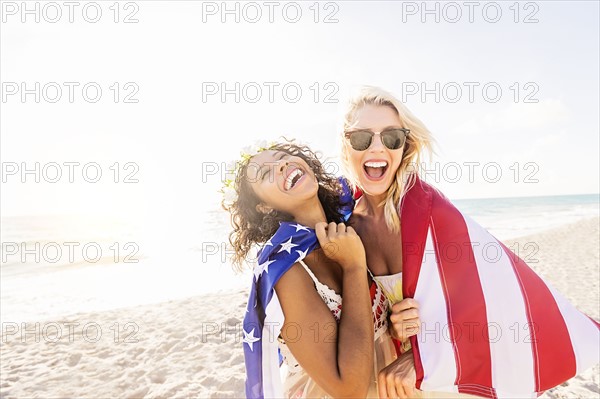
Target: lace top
[[334, 303]]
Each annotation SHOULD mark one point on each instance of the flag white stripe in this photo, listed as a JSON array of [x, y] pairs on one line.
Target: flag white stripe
[[511, 354], [435, 348], [272, 387]]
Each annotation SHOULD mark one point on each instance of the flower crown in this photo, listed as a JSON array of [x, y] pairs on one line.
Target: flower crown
[[230, 195]]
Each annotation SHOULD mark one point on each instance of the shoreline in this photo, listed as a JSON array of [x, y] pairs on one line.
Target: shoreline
[[192, 347]]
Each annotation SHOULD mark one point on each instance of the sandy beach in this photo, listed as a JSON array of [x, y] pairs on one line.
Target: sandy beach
[[192, 347]]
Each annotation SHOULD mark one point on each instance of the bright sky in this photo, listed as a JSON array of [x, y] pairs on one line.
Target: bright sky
[[180, 50]]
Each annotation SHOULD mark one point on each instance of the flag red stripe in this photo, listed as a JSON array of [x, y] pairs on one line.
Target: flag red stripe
[[467, 316], [415, 214]]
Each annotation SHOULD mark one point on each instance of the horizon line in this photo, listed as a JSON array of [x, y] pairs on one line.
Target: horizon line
[[524, 196]]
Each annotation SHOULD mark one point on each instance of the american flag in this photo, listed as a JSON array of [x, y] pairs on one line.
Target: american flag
[[490, 326]]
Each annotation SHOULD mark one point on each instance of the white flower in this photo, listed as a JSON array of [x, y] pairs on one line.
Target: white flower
[[231, 166], [229, 195], [253, 149], [247, 151], [230, 170], [261, 144]]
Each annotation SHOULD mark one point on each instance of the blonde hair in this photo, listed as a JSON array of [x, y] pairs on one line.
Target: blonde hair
[[418, 140]]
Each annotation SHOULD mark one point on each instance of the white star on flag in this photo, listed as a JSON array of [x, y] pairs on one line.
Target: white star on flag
[[287, 246], [250, 339], [302, 254], [262, 267], [268, 243], [299, 227]]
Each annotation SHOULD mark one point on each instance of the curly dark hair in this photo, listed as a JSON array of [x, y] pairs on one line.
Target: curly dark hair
[[253, 227]]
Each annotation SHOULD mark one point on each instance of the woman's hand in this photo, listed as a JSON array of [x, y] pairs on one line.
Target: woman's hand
[[398, 379], [341, 244], [404, 319]]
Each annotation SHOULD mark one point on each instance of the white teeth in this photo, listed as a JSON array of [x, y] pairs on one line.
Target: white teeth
[[293, 178], [381, 164]]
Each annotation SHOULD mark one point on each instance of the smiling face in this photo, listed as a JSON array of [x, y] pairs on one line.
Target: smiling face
[[374, 168], [281, 181]]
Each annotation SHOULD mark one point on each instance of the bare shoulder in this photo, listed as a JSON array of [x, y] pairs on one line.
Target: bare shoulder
[[298, 296], [295, 279], [295, 287]]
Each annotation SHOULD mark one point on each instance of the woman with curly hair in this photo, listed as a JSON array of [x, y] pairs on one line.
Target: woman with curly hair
[[295, 304]]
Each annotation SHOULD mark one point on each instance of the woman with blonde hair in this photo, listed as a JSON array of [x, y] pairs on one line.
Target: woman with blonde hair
[[453, 308]]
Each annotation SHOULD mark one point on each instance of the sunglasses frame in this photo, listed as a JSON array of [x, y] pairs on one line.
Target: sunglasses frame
[[349, 133]]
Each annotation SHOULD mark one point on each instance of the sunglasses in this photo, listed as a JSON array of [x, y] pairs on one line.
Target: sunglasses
[[392, 139]]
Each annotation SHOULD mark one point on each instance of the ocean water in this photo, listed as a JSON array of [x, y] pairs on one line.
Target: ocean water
[[515, 217], [84, 264], [53, 266]]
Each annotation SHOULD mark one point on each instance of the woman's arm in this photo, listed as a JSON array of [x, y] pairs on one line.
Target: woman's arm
[[338, 357]]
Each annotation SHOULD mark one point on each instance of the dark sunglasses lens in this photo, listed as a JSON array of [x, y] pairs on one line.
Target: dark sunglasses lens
[[393, 139], [360, 140]]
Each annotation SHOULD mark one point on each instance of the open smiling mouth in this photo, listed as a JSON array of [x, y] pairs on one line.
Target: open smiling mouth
[[293, 179], [375, 169]]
